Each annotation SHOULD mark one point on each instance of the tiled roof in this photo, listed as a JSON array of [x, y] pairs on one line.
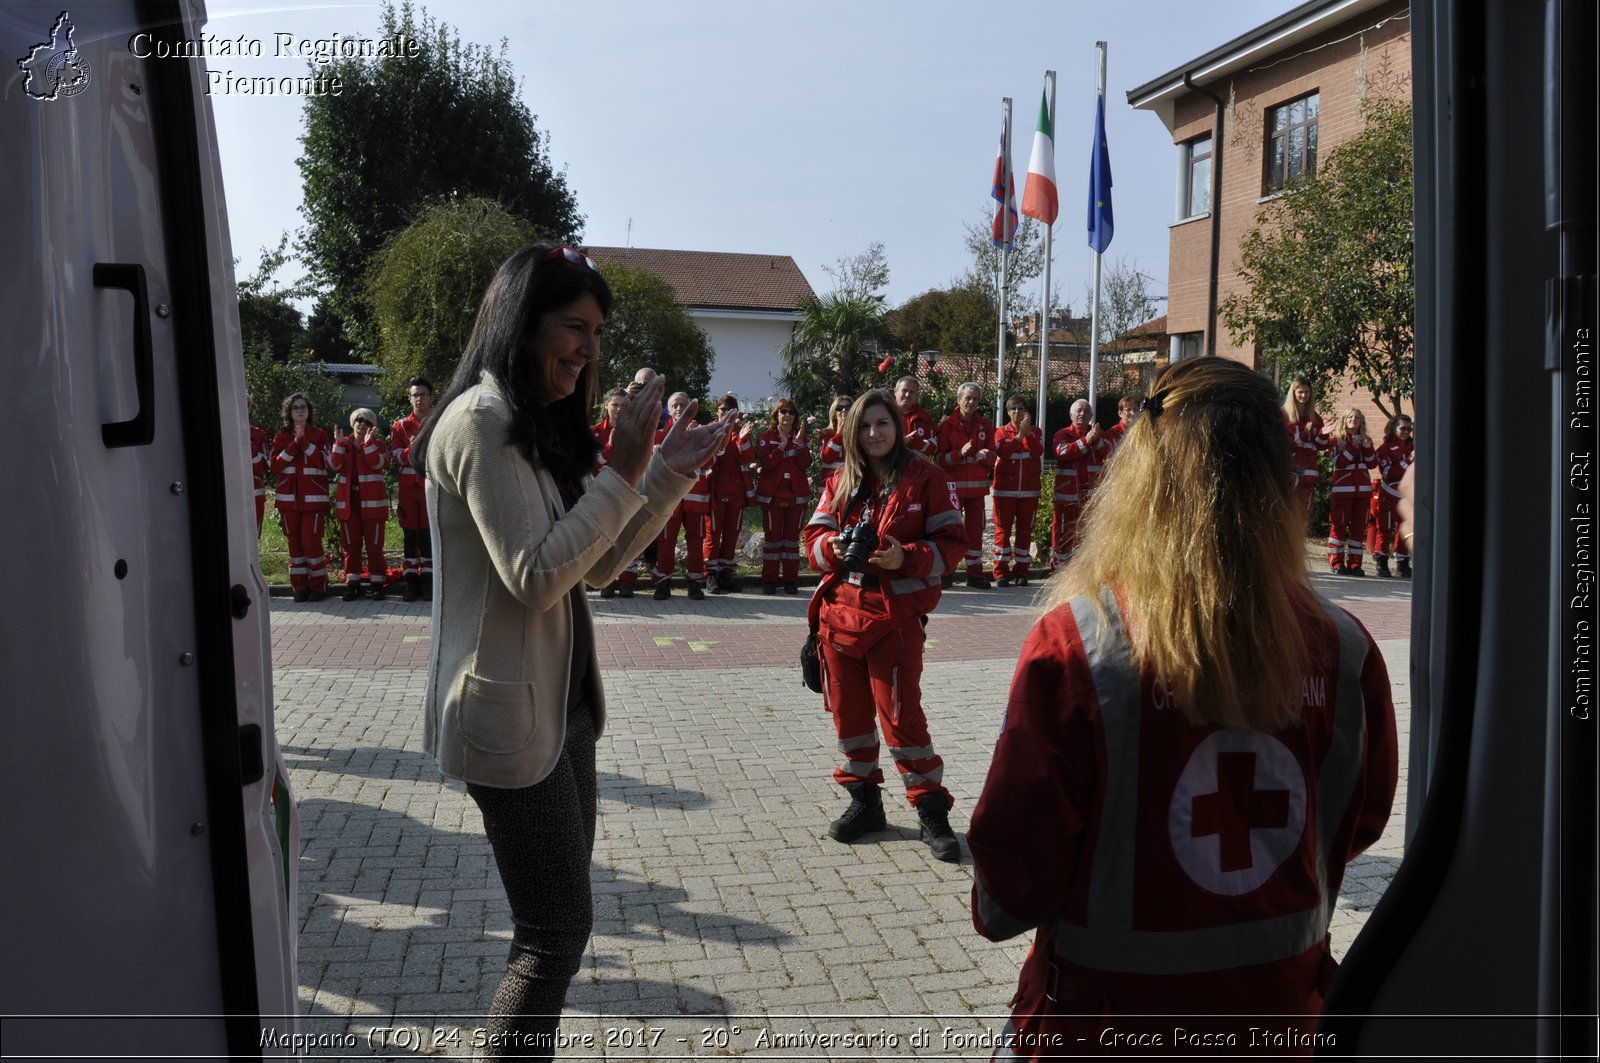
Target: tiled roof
[[719, 280]]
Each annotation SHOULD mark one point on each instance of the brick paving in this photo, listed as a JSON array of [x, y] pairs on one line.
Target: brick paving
[[727, 924]]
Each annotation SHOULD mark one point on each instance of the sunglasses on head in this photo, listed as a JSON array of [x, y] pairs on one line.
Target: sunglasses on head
[[573, 255]]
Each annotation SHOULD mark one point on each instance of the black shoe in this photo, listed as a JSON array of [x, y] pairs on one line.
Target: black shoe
[[315, 596], [352, 591], [1353, 570], [727, 581], [302, 595], [624, 591], [978, 582], [427, 586], [696, 594], [1021, 581], [1340, 570], [1404, 566], [379, 593], [790, 587], [946, 582], [413, 587], [1003, 581], [608, 591], [1383, 568], [663, 591], [934, 811], [769, 588], [864, 815]]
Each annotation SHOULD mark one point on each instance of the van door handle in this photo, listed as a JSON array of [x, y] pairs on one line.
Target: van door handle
[[140, 429]]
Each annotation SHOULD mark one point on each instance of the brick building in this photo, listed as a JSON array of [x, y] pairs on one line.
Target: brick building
[[1284, 95]]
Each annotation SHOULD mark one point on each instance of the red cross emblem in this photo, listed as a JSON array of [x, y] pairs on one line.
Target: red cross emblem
[[1238, 811]]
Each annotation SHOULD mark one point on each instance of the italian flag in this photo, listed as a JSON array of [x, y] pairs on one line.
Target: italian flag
[[1039, 194]]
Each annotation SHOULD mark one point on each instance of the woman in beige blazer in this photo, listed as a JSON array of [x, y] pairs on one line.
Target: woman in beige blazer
[[514, 701]]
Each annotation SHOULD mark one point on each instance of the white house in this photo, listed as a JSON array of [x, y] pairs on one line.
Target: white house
[[747, 305]]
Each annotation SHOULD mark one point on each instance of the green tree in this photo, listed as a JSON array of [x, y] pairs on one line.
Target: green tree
[[647, 326], [268, 319], [268, 382], [427, 281], [835, 350], [961, 319], [408, 130], [1024, 265], [1330, 267]]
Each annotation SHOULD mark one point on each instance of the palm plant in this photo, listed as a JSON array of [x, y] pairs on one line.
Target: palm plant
[[833, 349]]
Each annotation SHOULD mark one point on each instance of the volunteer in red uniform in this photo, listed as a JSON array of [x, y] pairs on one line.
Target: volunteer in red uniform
[[611, 407], [412, 508], [260, 458], [300, 495], [1394, 458], [1175, 826], [922, 436], [783, 491], [689, 517], [1127, 413], [966, 453], [1019, 460], [728, 483], [1080, 450], [1306, 440], [1350, 494], [870, 613], [361, 504], [830, 441]]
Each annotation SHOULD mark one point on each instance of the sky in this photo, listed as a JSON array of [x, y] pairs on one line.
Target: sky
[[809, 129]]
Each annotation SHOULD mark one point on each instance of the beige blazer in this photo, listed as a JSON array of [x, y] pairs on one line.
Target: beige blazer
[[507, 555]]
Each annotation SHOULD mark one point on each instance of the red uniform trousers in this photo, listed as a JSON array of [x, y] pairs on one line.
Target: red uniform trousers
[[972, 517], [1013, 534], [881, 679], [722, 531], [694, 562], [780, 553], [1383, 532], [261, 509], [1347, 524], [308, 559], [364, 528], [1064, 532]]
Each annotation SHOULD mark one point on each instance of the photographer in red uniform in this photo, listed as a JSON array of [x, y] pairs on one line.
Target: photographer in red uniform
[[887, 527]]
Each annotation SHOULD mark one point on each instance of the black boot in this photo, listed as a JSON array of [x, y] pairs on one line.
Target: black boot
[[352, 591], [696, 591], [727, 581], [934, 811], [1405, 567], [864, 815], [413, 587], [379, 591], [1383, 566]]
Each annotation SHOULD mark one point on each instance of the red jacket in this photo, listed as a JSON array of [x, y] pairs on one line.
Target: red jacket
[[1352, 466], [923, 514], [412, 507], [260, 455], [830, 451], [1018, 462], [602, 435], [1078, 463], [361, 466], [729, 474], [785, 470], [1306, 439], [921, 435], [1174, 869], [1393, 461], [300, 470], [698, 500], [970, 474]]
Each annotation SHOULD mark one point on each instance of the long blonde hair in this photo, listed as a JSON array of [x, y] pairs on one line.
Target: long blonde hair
[[1195, 526], [1344, 431], [1293, 411], [857, 468]]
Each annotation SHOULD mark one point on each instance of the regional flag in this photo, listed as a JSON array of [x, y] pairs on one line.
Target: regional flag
[[1004, 193], [1100, 227], [1039, 192]]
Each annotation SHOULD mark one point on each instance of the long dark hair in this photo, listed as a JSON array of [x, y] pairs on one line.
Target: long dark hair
[[527, 286], [857, 468]]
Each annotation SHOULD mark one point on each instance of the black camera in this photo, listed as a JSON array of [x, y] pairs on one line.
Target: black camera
[[857, 544]]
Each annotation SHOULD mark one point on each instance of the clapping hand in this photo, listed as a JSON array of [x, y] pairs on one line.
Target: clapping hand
[[687, 445], [635, 432]]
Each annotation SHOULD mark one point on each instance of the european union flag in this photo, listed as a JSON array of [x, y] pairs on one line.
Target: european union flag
[[1100, 226]]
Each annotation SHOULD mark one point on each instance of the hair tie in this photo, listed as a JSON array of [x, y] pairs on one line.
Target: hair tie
[[1152, 405]]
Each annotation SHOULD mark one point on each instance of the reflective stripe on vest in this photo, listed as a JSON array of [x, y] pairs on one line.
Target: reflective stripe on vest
[[1109, 942]]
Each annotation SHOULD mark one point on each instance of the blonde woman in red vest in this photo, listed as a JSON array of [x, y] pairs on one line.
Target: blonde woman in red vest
[[300, 453], [830, 441], [1174, 826], [1019, 463], [1306, 441], [1350, 493], [1394, 458], [361, 503], [966, 453]]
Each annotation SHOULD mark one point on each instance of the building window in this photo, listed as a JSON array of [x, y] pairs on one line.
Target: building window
[[1291, 142], [1194, 197], [1187, 345]]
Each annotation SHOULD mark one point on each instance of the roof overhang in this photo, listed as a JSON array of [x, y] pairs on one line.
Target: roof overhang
[[1300, 24], [744, 314]]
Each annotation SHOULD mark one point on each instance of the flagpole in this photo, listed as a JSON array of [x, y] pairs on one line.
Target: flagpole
[[1006, 237], [1044, 302], [1094, 306]]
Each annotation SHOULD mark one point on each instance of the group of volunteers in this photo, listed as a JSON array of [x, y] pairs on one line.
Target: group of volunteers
[[314, 472], [1172, 825]]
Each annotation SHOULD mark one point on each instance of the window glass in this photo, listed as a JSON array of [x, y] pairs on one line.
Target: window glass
[[1197, 177], [1291, 141]]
